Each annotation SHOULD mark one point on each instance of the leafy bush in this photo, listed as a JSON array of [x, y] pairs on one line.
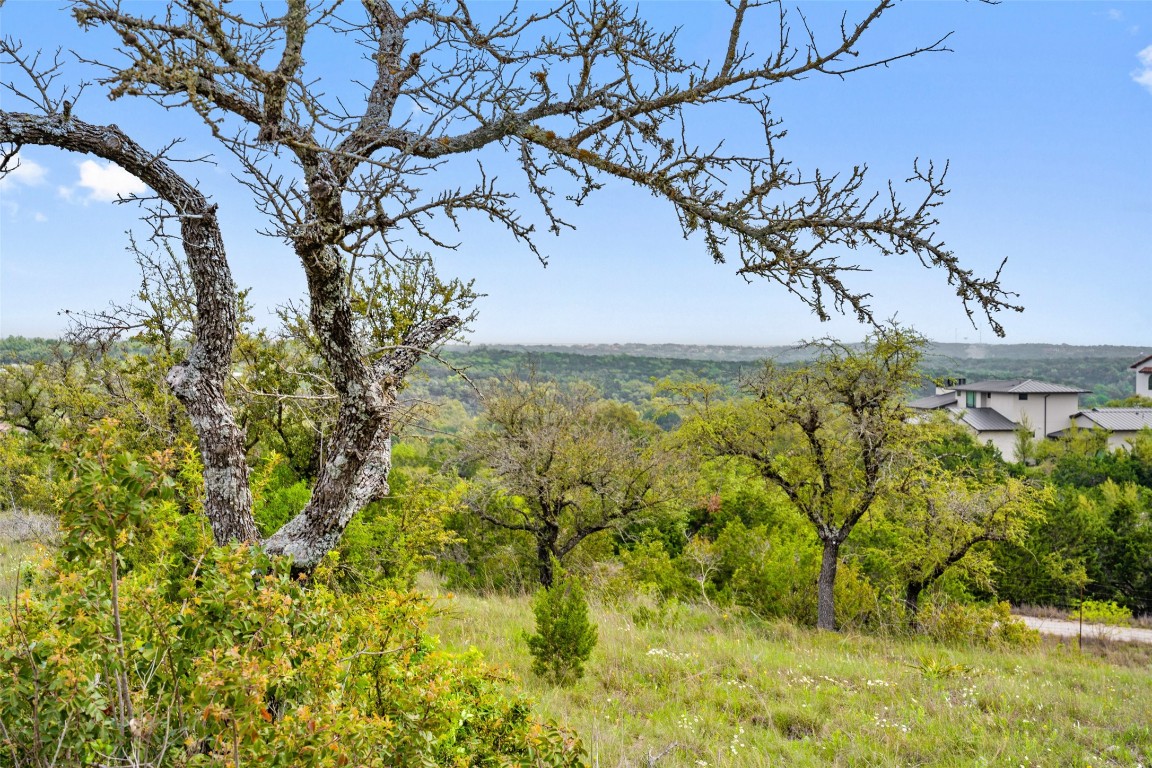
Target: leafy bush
[[565, 636], [991, 625], [648, 568], [774, 573], [1104, 612], [391, 540], [228, 659]]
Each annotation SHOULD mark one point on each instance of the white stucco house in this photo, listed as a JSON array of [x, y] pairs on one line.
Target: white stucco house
[[993, 410], [1143, 369], [1121, 424]]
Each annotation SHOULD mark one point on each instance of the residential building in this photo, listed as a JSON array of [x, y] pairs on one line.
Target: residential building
[[1143, 369], [1122, 424], [994, 410]]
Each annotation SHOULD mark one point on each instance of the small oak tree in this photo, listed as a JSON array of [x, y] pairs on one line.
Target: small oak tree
[[834, 435], [564, 465]]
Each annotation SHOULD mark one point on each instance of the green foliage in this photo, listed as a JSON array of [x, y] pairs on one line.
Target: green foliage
[[228, 659], [773, 572], [277, 494], [566, 465], [647, 567], [390, 541], [1104, 612], [565, 635], [959, 624], [1134, 401], [30, 480]]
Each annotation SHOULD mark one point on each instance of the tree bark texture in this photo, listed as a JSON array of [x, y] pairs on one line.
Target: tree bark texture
[[546, 538], [912, 592], [198, 381], [826, 586]]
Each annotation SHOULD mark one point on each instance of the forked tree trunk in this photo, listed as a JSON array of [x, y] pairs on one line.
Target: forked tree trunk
[[354, 474], [826, 586], [356, 470], [546, 540]]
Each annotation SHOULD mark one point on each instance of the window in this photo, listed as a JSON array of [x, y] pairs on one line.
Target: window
[[1024, 396], [970, 400]]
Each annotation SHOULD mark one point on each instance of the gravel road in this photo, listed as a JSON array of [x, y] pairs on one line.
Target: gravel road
[[1071, 629]]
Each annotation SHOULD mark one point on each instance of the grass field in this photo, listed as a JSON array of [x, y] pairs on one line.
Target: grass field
[[697, 688], [691, 686], [12, 554]]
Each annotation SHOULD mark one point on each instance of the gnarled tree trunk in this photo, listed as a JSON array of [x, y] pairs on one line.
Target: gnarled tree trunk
[[198, 381]]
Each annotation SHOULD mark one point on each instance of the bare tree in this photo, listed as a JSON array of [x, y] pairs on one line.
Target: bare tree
[[565, 465], [579, 94]]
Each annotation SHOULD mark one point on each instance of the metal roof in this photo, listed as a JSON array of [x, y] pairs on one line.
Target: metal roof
[[1119, 419], [932, 402], [987, 420], [1019, 386]]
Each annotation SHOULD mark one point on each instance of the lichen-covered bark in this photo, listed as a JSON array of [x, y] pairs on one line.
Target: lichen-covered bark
[[198, 382]]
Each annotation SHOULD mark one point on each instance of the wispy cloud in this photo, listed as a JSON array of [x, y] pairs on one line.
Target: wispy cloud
[[1117, 15], [106, 183], [24, 173], [1143, 76]]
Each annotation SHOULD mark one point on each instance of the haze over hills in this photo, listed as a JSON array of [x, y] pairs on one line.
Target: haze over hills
[[941, 351], [628, 371]]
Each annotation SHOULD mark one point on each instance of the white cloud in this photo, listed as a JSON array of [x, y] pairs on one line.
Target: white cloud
[[24, 172], [1143, 76], [106, 183], [39, 217], [1115, 14]]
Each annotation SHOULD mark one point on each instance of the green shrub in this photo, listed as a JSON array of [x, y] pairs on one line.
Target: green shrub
[[227, 659], [991, 625], [1104, 612], [648, 569], [391, 540], [565, 636], [774, 574]]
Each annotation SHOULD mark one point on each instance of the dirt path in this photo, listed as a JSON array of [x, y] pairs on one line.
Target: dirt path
[[1072, 629]]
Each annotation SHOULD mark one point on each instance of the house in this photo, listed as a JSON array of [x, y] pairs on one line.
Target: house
[[1122, 424], [995, 410], [1143, 369]]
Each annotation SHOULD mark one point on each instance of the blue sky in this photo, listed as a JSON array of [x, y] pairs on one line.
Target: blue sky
[[1043, 109]]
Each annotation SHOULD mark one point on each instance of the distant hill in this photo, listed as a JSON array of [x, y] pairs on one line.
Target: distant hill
[[790, 353], [627, 371]]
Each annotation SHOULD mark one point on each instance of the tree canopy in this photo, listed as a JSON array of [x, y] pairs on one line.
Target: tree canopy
[[342, 158]]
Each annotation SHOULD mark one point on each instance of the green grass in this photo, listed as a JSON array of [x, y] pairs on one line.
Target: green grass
[[694, 687], [12, 556]]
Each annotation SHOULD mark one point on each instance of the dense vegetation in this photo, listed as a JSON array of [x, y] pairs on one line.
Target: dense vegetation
[[626, 372], [682, 505]]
